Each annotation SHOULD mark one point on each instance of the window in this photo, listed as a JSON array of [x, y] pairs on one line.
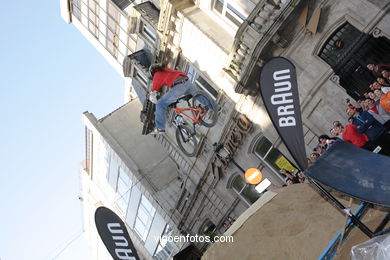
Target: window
[[76, 9], [141, 78], [123, 190], [229, 12], [103, 160], [348, 51], [201, 82], [272, 156], [93, 14], [338, 45], [245, 190], [88, 150], [113, 11], [165, 249], [144, 218], [111, 24], [148, 32], [207, 227], [112, 41]]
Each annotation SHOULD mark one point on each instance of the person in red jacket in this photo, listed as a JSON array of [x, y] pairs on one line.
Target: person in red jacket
[[179, 85], [350, 134]]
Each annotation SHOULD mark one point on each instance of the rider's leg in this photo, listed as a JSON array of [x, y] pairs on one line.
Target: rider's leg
[[162, 104]]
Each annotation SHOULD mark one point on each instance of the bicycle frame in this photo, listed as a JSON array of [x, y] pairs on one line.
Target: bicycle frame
[[196, 113]]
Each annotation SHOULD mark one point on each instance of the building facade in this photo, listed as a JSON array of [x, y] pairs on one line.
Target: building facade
[[222, 46], [121, 174]]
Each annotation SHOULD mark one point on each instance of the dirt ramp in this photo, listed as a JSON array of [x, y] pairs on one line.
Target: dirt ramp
[[297, 223]]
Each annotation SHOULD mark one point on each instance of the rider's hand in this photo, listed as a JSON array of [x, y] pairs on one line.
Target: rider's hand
[[153, 97]]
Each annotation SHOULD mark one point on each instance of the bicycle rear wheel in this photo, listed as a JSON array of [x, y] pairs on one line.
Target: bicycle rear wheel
[[186, 140], [210, 116]]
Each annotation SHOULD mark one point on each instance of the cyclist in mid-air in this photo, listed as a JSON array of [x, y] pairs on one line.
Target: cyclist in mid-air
[[179, 85]]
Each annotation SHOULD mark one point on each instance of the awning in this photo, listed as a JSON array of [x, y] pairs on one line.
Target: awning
[[354, 171]]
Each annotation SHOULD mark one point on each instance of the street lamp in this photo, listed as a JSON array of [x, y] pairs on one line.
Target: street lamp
[[224, 153]]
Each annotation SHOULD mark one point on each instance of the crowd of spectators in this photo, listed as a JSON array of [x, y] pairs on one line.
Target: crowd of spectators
[[367, 125], [293, 178]]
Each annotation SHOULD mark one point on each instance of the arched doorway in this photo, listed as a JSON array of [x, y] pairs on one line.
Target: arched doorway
[[348, 51]]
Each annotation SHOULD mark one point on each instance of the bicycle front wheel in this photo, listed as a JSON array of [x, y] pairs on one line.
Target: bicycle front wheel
[[186, 140], [209, 116]]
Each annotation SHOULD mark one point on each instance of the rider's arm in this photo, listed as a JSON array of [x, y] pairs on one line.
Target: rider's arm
[[156, 86]]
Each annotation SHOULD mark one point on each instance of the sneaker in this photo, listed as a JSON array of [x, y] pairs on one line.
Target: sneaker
[[157, 131]]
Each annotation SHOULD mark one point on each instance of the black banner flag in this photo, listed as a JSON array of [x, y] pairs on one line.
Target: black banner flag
[[114, 235], [279, 89]]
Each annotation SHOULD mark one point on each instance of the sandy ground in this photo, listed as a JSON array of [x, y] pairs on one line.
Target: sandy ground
[[297, 223]]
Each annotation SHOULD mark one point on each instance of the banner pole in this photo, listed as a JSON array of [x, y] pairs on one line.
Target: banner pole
[[346, 211]]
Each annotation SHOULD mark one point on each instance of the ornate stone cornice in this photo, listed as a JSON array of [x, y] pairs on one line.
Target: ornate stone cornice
[[254, 34]]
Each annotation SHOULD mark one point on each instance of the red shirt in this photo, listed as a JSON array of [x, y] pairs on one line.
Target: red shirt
[[166, 77], [375, 109], [351, 135]]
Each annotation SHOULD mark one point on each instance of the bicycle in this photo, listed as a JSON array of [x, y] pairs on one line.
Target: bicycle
[[199, 114]]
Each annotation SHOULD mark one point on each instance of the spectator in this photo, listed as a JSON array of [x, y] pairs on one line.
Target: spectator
[[376, 85], [289, 182], [366, 123], [386, 75], [325, 140], [290, 176], [378, 95], [362, 103], [382, 81], [385, 102], [350, 134], [314, 156], [376, 69], [371, 95], [369, 103], [336, 123], [385, 87], [378, 112], [319, 149], [302, 177], [309, 162]]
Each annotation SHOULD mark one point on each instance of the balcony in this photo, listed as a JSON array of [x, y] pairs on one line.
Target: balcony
[[253, 35]]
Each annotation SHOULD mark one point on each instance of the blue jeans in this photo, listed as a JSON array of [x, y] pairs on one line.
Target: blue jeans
[[177, 91]]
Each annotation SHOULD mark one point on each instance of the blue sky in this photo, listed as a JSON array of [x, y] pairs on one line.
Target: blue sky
[[50, 75]]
